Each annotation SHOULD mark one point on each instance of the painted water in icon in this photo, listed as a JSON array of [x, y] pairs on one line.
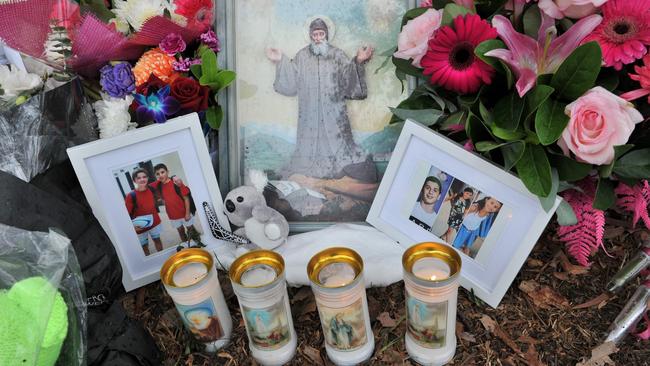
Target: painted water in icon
[[201, 319], [268, 327], [426, 323], [344, 328]]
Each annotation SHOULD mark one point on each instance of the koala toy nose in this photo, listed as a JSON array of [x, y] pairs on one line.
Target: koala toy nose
[[230, 206]]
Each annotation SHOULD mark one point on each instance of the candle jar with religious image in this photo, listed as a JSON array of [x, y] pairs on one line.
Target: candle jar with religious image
[[190, 279], [336, 276], [431, 277], [258, 280]]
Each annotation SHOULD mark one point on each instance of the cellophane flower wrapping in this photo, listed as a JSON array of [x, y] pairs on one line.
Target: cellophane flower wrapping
[[42, 300]]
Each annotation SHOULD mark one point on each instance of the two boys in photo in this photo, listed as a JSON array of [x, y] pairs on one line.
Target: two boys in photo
[[142, 202]]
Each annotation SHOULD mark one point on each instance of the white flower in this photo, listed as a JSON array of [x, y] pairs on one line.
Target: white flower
[[14, 82], [113, 115], [136, 12], [120, 25]]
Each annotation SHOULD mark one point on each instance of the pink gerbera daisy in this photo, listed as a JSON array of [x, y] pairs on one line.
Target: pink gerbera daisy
[[197, 12], [450, 59], [624, 32]]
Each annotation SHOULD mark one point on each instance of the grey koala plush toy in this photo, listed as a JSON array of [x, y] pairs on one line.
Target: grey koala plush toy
[[246, 208]]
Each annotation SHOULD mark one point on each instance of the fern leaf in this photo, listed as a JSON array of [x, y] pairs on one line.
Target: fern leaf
[[635, 200], [586, 236]]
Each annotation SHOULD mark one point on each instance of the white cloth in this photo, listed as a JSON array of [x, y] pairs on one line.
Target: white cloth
[[382, 256], [425, 217]]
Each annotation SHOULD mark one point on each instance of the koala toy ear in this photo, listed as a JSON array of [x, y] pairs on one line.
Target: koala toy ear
[[258, 179]]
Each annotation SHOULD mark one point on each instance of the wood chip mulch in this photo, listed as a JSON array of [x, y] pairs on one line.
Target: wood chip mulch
[[555, 313]]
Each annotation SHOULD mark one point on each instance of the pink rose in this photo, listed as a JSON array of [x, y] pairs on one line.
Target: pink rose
[[172, 44], [599, 120], [413, 41], [575, 9]]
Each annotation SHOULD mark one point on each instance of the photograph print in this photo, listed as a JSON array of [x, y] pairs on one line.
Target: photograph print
[[312, 101], [159, 202], [454, 211]]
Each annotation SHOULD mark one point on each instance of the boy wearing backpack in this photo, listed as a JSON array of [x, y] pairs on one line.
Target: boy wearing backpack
[[142, 202], [177, 199]]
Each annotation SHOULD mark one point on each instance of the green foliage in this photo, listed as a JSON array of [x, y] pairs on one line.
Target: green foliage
[[211, 75], [508, 112], [214, 115], [451, 11], [550, 121], [606, 170], [535, 97], [98, 8], [512, 153], [425, 116], [532, 20], [578, 72], [565, 214], [549, 201], [635, 164], [605, 196], [568, 169], [534, 170]]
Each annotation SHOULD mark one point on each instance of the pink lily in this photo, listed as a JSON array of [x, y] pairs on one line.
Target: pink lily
[[528, 57]]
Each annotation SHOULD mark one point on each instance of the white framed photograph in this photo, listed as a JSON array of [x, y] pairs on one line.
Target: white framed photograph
[[311, 102], [435, 190], [147, 187]]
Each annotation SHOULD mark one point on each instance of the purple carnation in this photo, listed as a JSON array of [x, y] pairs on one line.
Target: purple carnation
[[172, 44], [210, 39], [183, 65], [117, 80]]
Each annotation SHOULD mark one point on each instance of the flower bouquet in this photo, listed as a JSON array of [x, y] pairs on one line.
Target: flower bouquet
[[553, 90]]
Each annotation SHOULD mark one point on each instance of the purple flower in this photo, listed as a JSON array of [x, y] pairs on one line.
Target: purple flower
[[157, 106], [183, 65], [117, 80], [210, 39], [172, 44]]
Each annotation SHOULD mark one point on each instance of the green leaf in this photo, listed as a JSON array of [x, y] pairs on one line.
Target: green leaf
[[606, 170], [457, 118], [425, 116], [578, 72], [508, 110], [486, 46], [451, 11], [512, 152], [475, 129], [569, 169], [406, 67], [550, 121], [605, 196], [196, 71], [99, 9], [544, 79], [507, 134], [532, 20], [565, 214], [548, 201], [483, 146], [209, 65], [220, 81], [486, 115], [634, 165], [535, 97], [535, 171], [214, 116]]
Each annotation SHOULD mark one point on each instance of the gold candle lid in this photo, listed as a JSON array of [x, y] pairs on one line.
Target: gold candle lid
[[332, 256], [443, 252], [180, 260], [256, 259]]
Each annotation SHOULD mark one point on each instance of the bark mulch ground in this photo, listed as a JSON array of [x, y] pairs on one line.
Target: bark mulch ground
[[554, 313]]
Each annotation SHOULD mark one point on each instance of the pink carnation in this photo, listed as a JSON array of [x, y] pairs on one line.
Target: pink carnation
[[412, 42], [599, 120], [172, 44]]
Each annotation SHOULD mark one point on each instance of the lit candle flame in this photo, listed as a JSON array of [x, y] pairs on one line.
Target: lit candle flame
[[433, 277]]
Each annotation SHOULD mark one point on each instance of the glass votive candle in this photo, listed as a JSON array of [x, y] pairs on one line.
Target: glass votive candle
[[336, 276], [258, 280], [191, 280], [431, 277]]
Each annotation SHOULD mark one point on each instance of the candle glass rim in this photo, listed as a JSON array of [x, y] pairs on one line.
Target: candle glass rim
[[432, 250], [333, 255], [253, 258], [180, 260]]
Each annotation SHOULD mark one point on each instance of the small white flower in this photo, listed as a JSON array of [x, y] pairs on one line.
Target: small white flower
[[113, 115], [14, 82], [136, 12]]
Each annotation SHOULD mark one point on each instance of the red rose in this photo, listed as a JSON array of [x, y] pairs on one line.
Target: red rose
[[192, 96], [153, 84]]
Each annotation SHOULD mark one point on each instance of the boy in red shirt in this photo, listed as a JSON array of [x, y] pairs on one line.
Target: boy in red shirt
[[177, 201], [142, 202]]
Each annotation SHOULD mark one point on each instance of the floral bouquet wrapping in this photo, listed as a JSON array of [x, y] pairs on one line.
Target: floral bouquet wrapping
[[556, 91]]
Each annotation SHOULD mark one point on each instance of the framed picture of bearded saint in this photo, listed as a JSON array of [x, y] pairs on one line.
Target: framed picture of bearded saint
[[310, 106]]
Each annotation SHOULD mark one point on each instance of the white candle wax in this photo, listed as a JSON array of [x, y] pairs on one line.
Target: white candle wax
[[190, 274], [432, 269], [258, 275], [336, 275]]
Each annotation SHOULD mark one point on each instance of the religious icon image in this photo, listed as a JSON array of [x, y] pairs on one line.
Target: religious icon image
[[426, 323], [268, 327], [201, 319], [326, 152], [344, 328]]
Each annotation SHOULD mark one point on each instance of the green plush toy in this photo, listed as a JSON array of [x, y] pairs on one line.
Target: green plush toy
[[30, 332]]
